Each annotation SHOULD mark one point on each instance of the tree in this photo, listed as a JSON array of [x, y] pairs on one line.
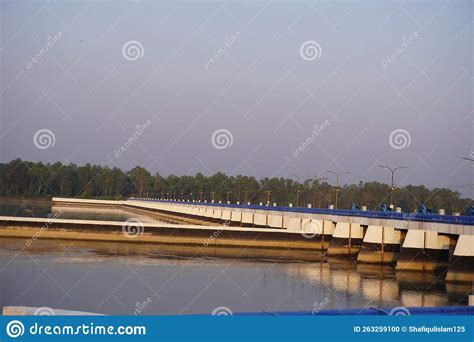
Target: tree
[[141, 179]]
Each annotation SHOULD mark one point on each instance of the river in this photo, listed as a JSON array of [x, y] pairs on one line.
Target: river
[[146, 279]]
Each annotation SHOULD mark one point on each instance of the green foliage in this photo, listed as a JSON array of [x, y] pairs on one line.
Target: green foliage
[[28, 179]]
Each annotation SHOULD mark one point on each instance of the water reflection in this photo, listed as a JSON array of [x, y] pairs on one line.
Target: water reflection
[[112, 278], [45, 209], [24, 208], [106, 214]]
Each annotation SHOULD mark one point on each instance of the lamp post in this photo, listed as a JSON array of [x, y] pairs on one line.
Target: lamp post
[[297, 187], [337, 181], [392, 173], [268, 196]]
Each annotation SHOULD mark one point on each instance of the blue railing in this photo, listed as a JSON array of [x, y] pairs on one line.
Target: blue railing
[[448, 219]]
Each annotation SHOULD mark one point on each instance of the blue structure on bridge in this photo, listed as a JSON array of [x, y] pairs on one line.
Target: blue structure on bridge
[[421, 217]]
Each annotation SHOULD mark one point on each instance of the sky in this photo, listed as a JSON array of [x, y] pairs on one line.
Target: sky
[[260, 88]]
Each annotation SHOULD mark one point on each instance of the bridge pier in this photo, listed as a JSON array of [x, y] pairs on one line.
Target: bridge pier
[[424, 251], [346, 240], [381, 245], [461, 268]]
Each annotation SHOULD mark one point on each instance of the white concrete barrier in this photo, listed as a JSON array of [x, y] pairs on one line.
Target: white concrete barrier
[[209, 212], [217, 214], [247, 218], [236, 216], [275, 221], [345, 230], [33, 311], [465, 246], [226, 215], [329, 227], [260, 219], [379, 235], [292, 224], [422, 239]]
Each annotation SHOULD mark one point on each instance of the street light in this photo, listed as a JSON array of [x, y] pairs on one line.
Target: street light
[[392, 172], [337, 181], [297, 188]]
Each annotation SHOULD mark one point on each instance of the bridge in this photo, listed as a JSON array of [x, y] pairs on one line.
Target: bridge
[[411, 241]]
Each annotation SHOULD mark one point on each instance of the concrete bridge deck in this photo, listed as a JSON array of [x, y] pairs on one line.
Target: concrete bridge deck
[[446, 224]]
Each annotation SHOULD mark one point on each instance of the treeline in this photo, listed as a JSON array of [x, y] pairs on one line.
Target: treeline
[[29, 179]]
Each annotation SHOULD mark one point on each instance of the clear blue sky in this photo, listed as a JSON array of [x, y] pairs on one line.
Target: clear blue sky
[[401, 67]]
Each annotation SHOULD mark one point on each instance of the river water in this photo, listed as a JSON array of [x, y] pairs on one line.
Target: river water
[[146, 279]]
